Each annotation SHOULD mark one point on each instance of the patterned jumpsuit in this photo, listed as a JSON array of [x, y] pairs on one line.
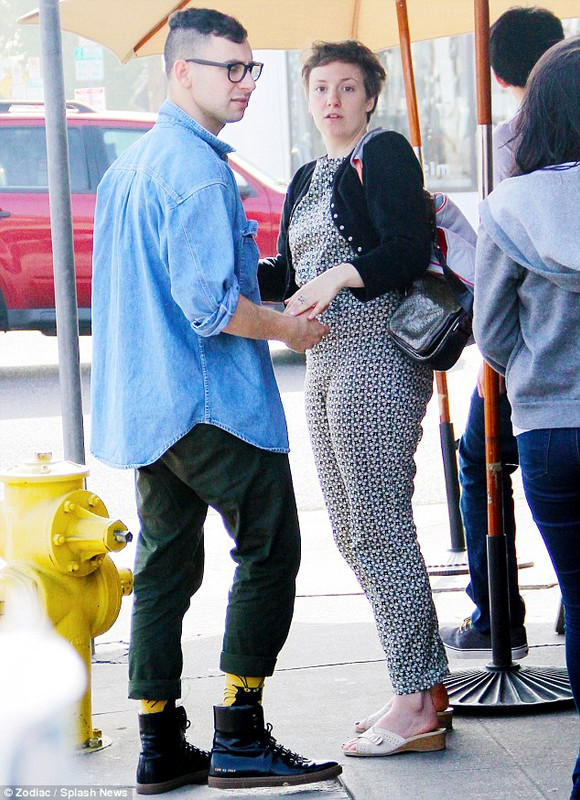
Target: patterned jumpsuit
[[364, 404]]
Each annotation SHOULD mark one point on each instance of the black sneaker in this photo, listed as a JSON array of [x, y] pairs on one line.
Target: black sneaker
[[467, 642], [246, 755], [167, 760]]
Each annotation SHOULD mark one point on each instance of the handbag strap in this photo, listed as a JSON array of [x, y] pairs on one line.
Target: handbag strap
[[463, 294]]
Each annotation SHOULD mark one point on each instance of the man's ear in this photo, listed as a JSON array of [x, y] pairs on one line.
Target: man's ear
[[181, 73], [502, 83]]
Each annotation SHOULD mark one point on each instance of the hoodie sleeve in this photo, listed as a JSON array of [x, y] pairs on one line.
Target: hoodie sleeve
[[496, 304]]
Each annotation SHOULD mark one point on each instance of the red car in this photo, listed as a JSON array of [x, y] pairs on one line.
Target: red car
[[95, 139]]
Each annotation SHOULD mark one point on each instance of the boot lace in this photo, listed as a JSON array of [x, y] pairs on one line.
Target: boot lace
[[282, 752], [191, 750]]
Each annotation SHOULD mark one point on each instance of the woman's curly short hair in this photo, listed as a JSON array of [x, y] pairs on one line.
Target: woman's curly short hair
[[349, 51]]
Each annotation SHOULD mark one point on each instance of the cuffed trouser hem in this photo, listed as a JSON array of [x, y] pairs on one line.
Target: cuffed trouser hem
[[430, 680], [247, 665], [154, 690]]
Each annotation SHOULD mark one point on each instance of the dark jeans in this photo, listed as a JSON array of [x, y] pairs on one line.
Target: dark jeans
[[252, 490], [473, 504], [550, 461]]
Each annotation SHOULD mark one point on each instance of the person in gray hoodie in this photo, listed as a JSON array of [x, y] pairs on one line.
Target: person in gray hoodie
[[527, 316]]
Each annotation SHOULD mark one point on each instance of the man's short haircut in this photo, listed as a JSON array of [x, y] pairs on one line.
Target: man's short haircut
[[517, 40], [188, 28]]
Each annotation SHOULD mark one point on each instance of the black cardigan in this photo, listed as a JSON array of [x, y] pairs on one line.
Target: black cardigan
[[384, 218]]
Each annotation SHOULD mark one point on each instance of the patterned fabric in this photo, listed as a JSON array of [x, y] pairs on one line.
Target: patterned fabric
[[364, 403]]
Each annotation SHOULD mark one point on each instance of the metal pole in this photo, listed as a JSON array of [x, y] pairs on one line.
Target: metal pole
[[449, 451], [496, 540], [447, 436], [62, 235]]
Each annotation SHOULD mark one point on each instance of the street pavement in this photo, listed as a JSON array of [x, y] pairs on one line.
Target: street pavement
[[331, 670]]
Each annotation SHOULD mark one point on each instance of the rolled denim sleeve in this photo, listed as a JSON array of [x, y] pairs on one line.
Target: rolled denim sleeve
[[202, 258]]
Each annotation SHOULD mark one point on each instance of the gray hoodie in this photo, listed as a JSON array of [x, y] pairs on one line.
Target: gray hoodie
[[527, 294]]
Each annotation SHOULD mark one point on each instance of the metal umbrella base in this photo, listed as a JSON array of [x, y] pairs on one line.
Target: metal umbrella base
[[497, 690], [457, 564]]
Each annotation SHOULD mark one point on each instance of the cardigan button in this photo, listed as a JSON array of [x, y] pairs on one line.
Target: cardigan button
[[359, 249], [335, 216], [350, 238], [341, 227]]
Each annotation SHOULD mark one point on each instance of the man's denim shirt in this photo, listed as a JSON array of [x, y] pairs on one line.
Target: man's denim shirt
[[173, 250]]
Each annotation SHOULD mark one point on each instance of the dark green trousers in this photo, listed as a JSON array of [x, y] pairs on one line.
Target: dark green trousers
[[252, 490]]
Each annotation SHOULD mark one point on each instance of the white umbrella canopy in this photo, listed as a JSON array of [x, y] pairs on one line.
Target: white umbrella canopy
[[132, 28]]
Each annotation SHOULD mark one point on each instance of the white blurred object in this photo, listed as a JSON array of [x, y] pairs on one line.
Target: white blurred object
[[42, 678]]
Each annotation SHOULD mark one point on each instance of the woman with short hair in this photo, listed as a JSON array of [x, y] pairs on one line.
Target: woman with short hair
[[354, 234]]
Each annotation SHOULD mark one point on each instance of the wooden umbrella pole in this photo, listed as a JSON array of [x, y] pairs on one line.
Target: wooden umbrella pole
[[496, 541], [179, 6], [409, 76], [445, 425]]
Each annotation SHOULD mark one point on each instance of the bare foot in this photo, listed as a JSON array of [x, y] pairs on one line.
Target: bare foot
[[439, 696], [408, 715]]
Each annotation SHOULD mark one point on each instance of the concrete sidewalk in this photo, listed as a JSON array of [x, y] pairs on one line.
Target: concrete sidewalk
[[331, 672]]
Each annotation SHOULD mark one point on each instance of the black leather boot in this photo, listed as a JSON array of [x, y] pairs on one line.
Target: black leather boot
[[167, 760], [245, 754]]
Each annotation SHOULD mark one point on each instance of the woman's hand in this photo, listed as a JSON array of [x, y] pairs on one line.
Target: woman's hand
[[316, 295]]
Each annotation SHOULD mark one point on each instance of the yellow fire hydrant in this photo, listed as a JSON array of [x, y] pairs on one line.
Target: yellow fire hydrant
[[55, 537]]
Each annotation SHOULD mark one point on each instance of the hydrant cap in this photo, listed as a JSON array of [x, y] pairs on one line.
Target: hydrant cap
[[42, 468]]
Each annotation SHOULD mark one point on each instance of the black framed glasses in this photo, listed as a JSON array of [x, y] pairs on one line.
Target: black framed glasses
[[236, 71]]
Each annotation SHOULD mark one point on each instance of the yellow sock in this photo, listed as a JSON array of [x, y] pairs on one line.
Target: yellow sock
[[152, 706], [242, 690]]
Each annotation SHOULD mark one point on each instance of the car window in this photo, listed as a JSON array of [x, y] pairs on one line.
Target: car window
[[240, 180], [23, 160], [245, 188], [117, 140]]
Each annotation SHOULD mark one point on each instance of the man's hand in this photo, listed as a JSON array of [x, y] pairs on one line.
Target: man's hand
[[304, 333], [257, 322]]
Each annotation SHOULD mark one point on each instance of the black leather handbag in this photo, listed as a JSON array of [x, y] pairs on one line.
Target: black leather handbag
[[432, 324]]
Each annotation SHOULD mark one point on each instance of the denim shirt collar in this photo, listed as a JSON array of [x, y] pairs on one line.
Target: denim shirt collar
[[172, 114]]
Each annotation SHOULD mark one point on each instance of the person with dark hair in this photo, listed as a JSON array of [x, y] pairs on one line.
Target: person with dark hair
[[354, 234], [183, 391], [517, 39], [527, 316]]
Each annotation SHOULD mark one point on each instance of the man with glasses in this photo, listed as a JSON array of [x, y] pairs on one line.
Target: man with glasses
[[184, 392]]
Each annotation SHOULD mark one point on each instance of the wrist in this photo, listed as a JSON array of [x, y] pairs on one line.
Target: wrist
[[348, 276]]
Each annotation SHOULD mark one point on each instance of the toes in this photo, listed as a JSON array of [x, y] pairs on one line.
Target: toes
[[350, 745]]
